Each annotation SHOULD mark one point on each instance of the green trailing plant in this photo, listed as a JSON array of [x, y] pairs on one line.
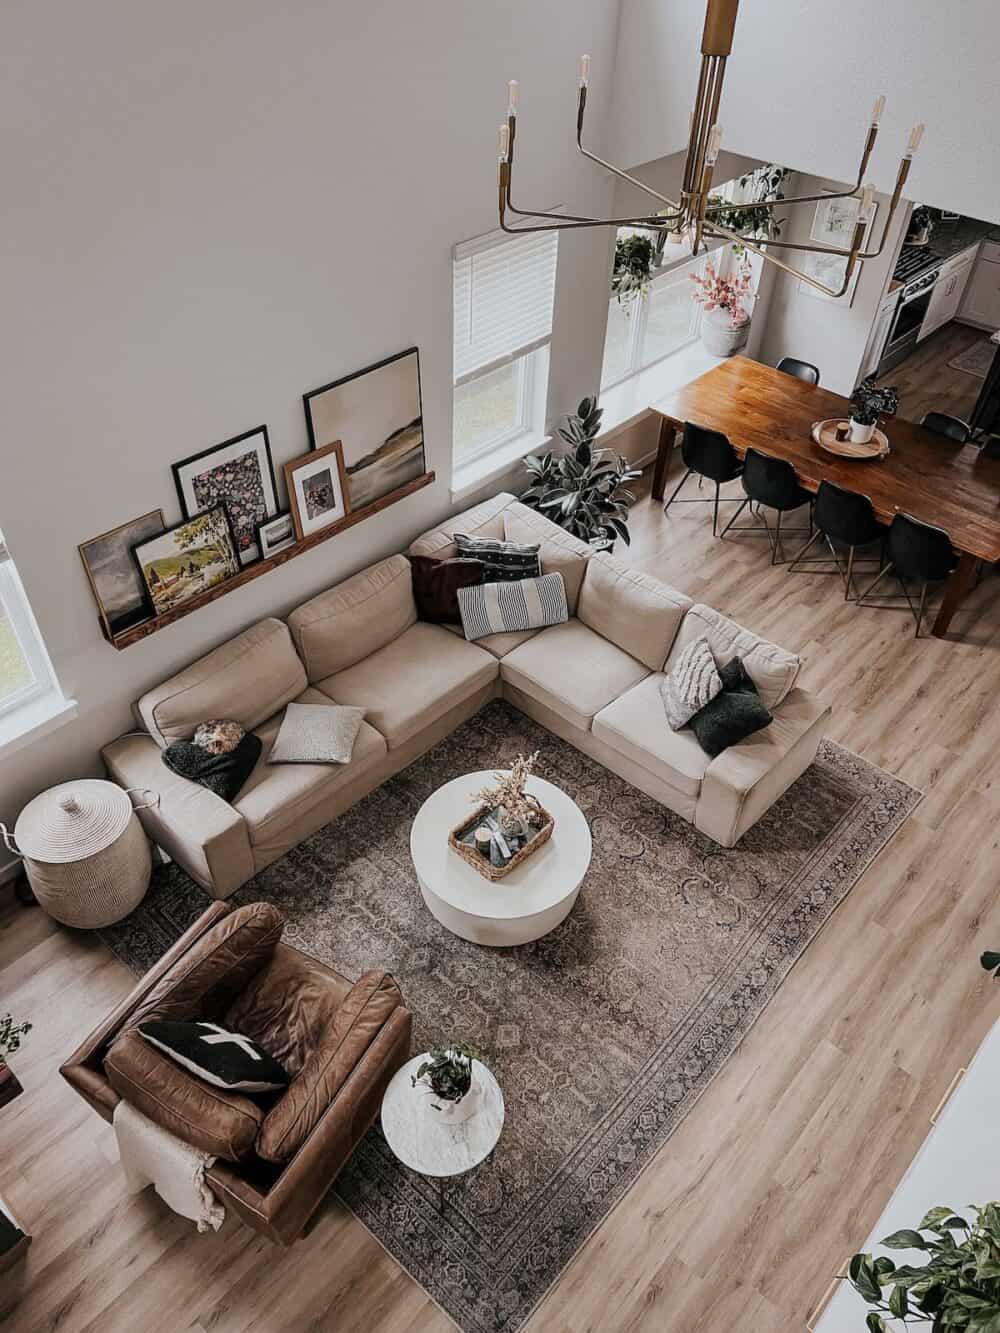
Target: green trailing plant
[[764, 184], [957, 1287], [920, 219], [868, 403], [448, 1070], [584, 490], [633, 266], [10, 1036]]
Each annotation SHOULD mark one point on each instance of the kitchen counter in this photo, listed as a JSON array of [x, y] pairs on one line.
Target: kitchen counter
[[948, 239]]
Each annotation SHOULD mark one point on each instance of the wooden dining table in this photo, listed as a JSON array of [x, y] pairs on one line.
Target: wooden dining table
[[953, 486]]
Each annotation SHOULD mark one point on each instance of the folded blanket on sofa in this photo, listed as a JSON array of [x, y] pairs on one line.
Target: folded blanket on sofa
[[151, 1156], [224, 774]]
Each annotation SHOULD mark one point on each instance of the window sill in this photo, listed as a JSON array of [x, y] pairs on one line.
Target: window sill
[[630, 399], [471, 477], [34, 720]]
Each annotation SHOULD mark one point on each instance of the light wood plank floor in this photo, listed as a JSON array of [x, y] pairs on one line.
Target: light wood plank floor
[[788, 1159], [927, 383]]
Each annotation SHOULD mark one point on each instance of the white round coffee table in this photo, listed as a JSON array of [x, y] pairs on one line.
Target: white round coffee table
[[524, 905], [435, 1147]]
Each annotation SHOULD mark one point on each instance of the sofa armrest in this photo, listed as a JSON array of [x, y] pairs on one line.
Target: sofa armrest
[[198, 829], [744, 781], [283, 1211], [84, 1069]]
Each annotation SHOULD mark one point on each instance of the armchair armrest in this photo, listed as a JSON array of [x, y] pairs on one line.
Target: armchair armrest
[[198, 829]]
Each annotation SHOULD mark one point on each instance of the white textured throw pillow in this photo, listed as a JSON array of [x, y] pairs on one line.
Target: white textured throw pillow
[[316, 734], [493, 608], [693, 682]]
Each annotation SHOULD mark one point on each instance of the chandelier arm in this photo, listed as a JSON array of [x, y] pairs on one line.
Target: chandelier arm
[[522, 212], [835, 292], [901, 175], [608, 166], [811, 198]]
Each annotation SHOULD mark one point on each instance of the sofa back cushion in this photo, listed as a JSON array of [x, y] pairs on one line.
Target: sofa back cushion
[[635, 611], [772, 669], [355, 1026], [347, 623], [559, 551], [247, 680], [482, 520]]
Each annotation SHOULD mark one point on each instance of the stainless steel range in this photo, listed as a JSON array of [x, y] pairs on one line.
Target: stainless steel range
[[912, 308], [914, 259]]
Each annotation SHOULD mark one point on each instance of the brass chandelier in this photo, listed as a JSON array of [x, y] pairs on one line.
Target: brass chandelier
[[694, 219]]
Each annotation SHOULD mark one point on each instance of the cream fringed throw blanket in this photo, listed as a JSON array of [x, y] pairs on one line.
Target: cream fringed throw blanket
[[151, 1156]]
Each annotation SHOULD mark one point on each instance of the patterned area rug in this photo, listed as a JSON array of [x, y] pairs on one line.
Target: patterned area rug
[[602, 1035], [977, 359]]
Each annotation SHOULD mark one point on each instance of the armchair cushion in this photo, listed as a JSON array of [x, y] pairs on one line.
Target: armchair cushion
[[340, 1048]]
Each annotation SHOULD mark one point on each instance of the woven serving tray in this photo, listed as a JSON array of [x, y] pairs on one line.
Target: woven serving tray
[[825, 435], [468, 852]]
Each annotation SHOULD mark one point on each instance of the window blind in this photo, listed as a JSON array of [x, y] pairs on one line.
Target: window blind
[[504, 288]]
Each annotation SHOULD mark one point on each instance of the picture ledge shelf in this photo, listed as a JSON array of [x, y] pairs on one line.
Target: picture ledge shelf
[[152, 626]]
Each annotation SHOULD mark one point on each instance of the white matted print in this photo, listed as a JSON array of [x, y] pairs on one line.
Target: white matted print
[[317, 492], [376, 414], [274, 535], [833, 224]]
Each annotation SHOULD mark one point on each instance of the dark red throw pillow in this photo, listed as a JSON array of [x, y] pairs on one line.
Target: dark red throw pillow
[[436, 584]]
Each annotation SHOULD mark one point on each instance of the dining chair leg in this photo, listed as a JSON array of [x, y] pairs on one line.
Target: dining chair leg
[[677, 490], [920, 612], [736, 516], [874, 584], [802, 554], [850, 573], [715, 512], [776, 545]]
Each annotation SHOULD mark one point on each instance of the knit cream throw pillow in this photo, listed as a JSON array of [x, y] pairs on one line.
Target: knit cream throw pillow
[[693, 682]]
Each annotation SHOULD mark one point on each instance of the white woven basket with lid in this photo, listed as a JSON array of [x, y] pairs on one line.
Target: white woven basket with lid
[[85, 853]]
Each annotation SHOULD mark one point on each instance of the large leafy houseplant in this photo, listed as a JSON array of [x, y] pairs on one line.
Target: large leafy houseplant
[[582, 490]]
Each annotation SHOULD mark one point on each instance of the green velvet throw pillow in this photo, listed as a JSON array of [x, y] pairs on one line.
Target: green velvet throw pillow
[[734, 714]]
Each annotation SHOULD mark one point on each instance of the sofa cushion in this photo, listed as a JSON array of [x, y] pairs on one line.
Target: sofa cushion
[[509, 606], [218, 1055], [346, 623], [482, 520], [412, 681], [637, 612], [225, 1124], [734, 714], [692, 682], [500, 644], [339, 1049], [277, 794], [573, 671], [772, 669], [559, 551], [635, 726], [436, 584], [247, 679]]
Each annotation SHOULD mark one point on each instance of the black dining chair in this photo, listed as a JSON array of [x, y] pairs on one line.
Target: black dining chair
[[706, 453], [770, 483], [916, 551], [846, 517], [951, 427], [801, 370]]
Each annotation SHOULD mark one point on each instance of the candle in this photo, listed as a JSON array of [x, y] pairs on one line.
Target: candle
[[584, 71], [512, 89], [483, 840], [916, 134], [503, 143], [878, 108]]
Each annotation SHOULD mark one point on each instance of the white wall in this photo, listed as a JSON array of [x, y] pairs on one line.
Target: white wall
[[801, 81], [212, 208]]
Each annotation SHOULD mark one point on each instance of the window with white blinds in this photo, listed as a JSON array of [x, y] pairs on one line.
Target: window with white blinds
[[504, 288], [25, 670]]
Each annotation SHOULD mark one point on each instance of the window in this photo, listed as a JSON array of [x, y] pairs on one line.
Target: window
[[503, 292], [29, 694], [652, 326]]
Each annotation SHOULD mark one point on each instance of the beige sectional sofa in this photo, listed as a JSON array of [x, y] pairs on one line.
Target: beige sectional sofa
[[593, 680]]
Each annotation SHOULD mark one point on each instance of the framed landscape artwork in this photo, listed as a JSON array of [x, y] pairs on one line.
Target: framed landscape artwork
[[119, 591], [833, 224], [317, 489], [275, 534], [239, 474], [187, 559], [376, 415]]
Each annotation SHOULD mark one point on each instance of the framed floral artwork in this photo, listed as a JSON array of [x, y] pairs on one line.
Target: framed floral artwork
[[239, 474]]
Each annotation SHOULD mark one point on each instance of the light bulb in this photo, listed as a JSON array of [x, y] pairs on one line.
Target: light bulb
[[714, 144], [512, 90], [916, 134], [878, 108], [503, 144], [867, 199], [584, 71]]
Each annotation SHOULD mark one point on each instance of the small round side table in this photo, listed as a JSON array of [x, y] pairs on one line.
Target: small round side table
[[440, 1148]]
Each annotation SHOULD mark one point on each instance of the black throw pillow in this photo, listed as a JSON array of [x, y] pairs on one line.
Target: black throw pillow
[[224, 774], [436, 584], [222, 1058], [734, 714]]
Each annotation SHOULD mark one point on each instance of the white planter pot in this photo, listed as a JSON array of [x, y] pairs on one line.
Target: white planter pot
[[452, 1113], [861, 433], [718, 335]]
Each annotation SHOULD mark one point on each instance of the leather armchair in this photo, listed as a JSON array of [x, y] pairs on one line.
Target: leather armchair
[[341, 1042]]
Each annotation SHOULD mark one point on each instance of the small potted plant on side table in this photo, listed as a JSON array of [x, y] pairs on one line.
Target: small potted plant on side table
[[868, 403], [10, 1041], [446, 1075]]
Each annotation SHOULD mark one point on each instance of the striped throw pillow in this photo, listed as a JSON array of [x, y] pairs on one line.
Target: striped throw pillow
[[693, 682], [501, 561], [494, 608]]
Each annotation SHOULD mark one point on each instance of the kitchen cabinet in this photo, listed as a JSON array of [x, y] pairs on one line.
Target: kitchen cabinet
[[981, 304], [947, 293], [879, 335]]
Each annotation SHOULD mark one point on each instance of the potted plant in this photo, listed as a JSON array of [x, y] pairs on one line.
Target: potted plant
[[445, 1074], [634, 256], [868, 403], [10, 1041], [726, 302], [921, 225], [582, 489]]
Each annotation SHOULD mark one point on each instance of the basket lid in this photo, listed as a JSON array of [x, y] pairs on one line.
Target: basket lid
[[73, 821]]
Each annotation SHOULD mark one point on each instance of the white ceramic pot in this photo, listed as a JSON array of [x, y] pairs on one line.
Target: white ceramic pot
[[452, 1113], [861, 432], [718, 335]]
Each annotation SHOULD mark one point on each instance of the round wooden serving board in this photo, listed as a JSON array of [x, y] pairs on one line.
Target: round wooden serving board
[[825, 435]]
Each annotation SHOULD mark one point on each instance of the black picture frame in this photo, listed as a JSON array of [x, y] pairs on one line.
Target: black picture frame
[[398, 474], [267, 478], [174, 527], [292, 539]]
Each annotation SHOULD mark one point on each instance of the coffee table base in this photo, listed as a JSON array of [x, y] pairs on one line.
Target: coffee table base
[[496, 933]]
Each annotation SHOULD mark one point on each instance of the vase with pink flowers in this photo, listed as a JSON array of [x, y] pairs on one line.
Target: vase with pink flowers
[[727, 302]]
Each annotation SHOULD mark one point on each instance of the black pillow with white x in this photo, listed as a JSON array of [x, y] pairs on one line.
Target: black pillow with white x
[[224, 1059]]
